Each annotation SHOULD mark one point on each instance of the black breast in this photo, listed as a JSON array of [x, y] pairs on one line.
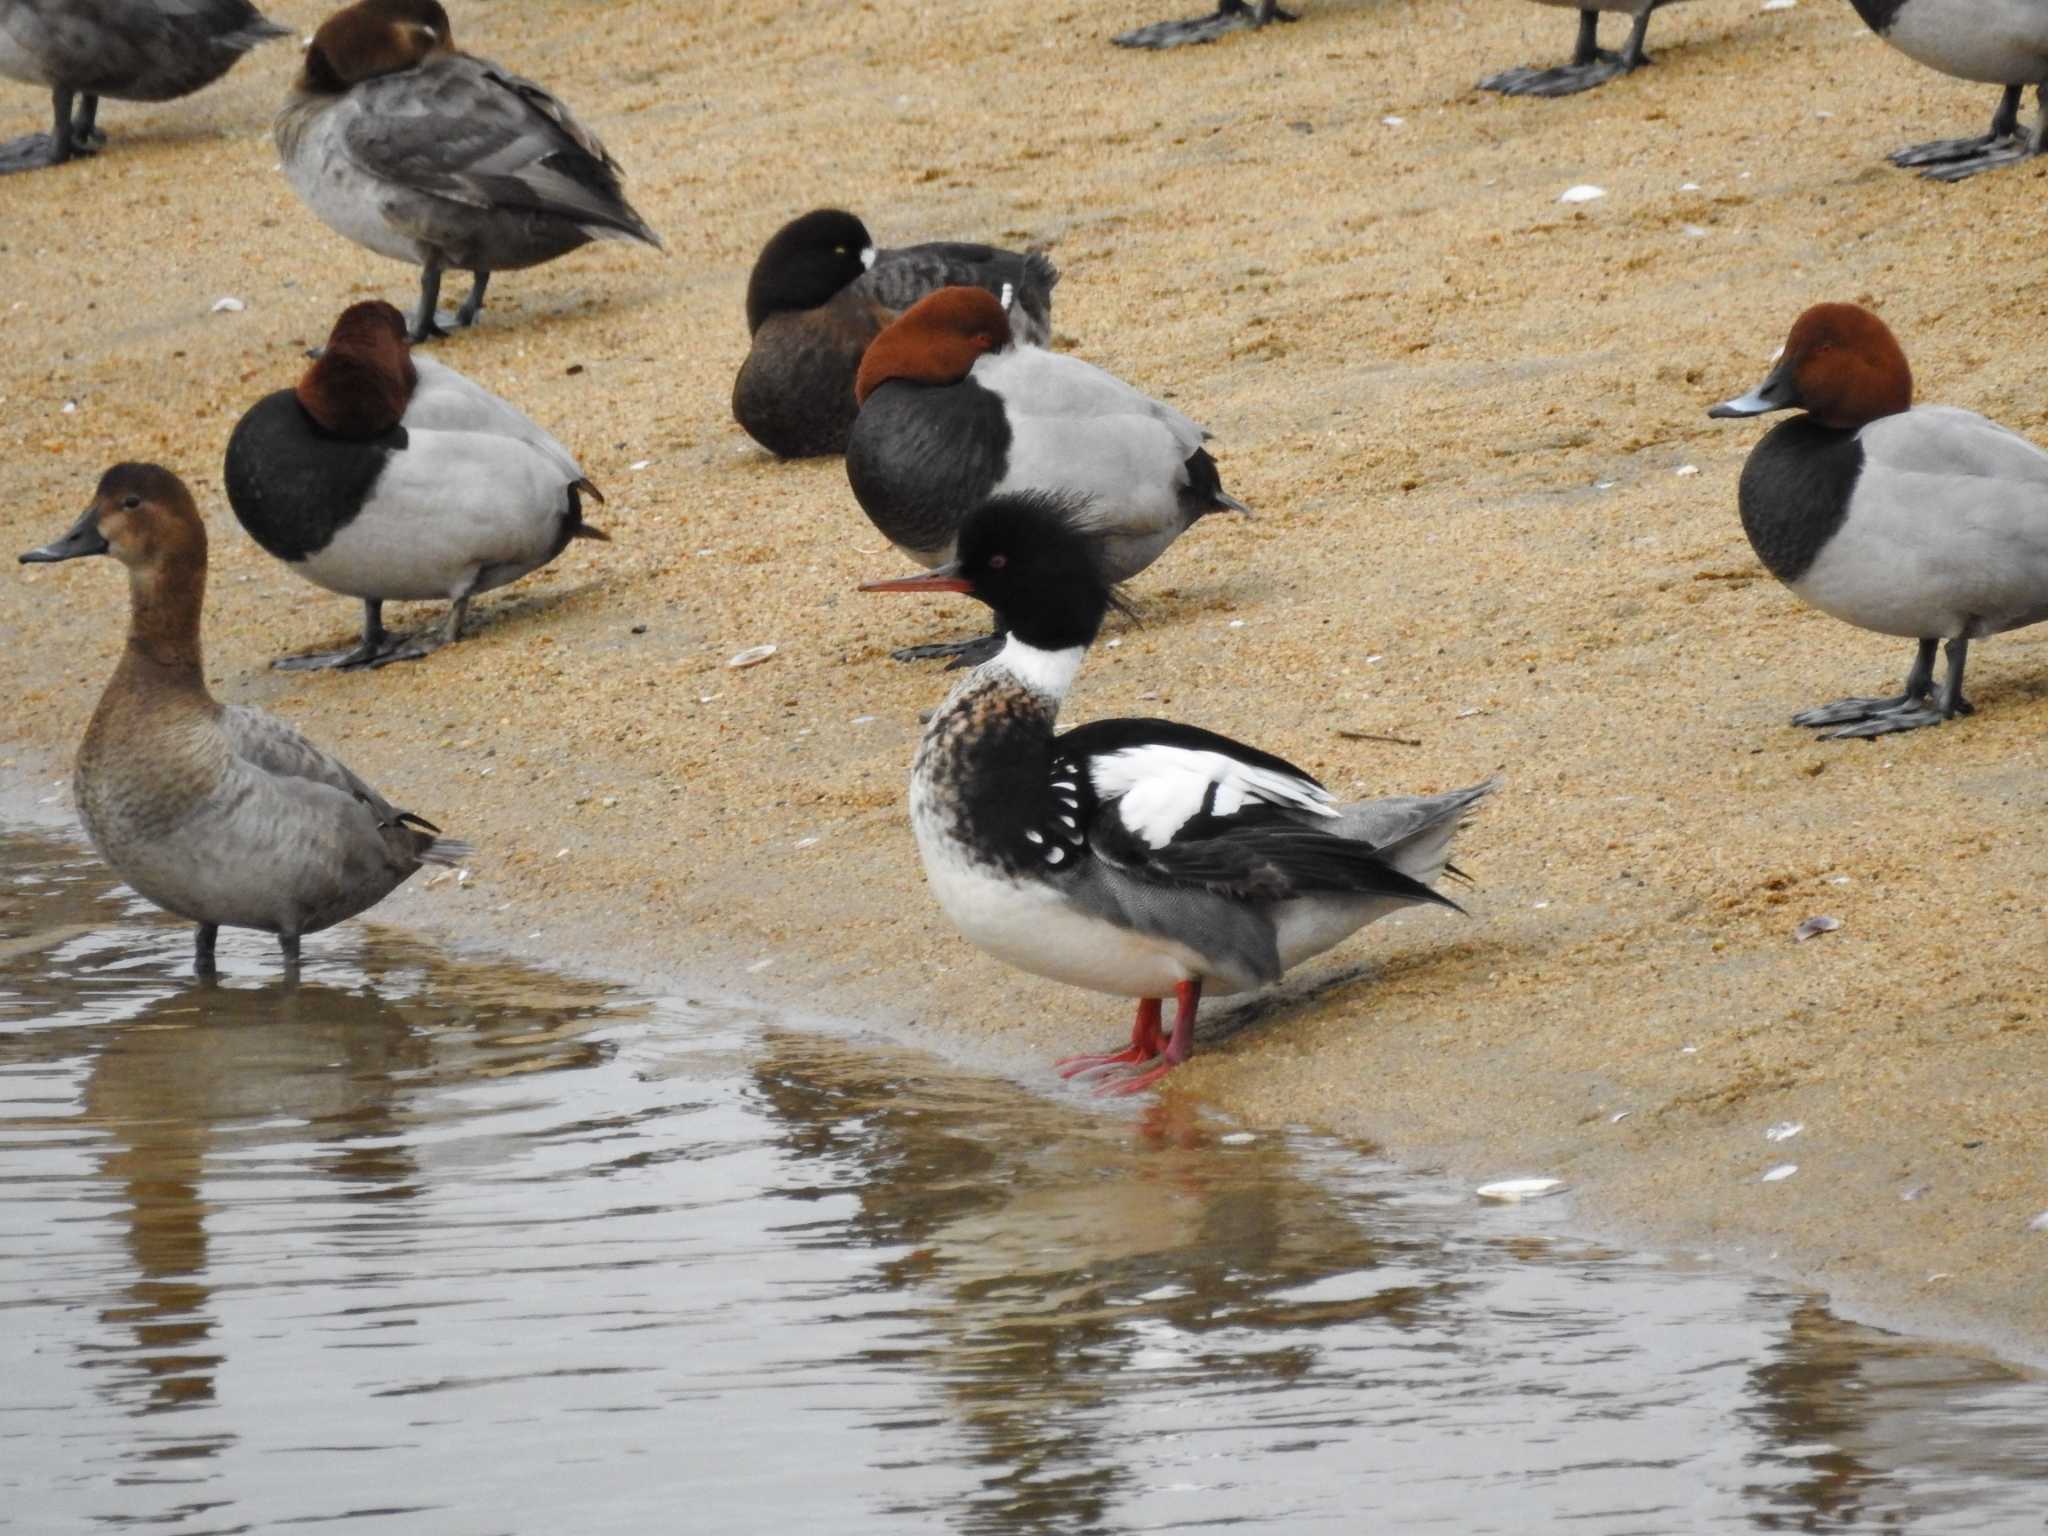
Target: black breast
[[922, 455], [1879, 15], [294, 485], [1795, 492]]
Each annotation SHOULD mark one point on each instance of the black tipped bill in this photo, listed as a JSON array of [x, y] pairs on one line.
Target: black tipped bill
[[1776, 393], [84, 539]]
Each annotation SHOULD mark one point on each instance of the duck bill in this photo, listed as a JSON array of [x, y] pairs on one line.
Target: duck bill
[[84, 539], [1776, 393], [944, 578]]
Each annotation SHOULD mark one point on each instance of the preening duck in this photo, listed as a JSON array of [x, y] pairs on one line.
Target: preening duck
[[821, 291], [429, 155], [1142, 858], [1999, 42], [131, 50], [955, 409], [1229, 16], [1591, 64], [1924, 521], [386, 476], [219, 813]]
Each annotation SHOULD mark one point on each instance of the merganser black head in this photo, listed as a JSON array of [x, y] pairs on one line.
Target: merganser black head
[[1035, 558]]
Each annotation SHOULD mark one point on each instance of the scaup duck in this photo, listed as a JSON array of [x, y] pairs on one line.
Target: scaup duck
[[954, 409], [387, 476], [131, 50], [1142, 858], [1591, 64], [821, 291], [219, 813], [1924, 521], [1998, 42], [429, 155], [1229, 16]]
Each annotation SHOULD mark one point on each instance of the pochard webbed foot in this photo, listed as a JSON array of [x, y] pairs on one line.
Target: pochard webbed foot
[[956, 653], [1229, 16], [379, 647], [1913, 707], [32, 152], [1560, 79], [1954, 159], [1990, 157]]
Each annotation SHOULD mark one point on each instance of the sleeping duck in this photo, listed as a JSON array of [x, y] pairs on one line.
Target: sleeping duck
[[423, 153], [386, 476], [821, 291]]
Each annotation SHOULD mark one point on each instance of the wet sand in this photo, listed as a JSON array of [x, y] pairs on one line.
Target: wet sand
[[1421, 369]]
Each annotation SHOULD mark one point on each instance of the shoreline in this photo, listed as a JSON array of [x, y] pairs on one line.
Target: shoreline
[[1865, 1298], [1464, 413]]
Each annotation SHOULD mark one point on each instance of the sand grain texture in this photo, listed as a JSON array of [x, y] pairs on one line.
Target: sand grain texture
[[1460, 409]]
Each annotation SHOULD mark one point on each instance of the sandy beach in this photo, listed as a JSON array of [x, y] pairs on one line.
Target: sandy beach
[[1493, 521]]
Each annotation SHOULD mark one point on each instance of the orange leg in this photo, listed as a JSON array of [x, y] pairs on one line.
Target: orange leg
[[1143, 1047], [1188, 997]]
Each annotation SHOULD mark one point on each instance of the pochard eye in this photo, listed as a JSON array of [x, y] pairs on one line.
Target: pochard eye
[[997, 562], [131, 502]]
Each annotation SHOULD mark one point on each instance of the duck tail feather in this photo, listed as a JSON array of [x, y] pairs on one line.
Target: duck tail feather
[[448, 852]]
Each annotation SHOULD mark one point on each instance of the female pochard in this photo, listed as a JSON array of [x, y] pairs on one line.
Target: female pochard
[[387, 476], [1924, 521], [217, 812], [1998, 42], [955, 409], [821, 291], [1142, 858], [131, 50], [1591, 64], [429, 155]]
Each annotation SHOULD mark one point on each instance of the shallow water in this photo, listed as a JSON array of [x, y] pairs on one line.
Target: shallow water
[[452, 1247]]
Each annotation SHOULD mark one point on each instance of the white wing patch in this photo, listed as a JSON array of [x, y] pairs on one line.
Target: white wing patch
[[1160, 789]]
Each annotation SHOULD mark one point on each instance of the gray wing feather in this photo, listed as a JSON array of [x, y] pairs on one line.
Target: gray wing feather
[[460, 129]]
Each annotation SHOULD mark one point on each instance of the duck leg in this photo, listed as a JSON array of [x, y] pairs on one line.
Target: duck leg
[[473, 305], [1591, 64], [1918, 691], [1229, 16], [1187, 998], [430, 323], [1965, 157], [288, 943], [86, 137], [34, 151], [377, 647], [1924, 710], [203, 938], [1144, 1046]]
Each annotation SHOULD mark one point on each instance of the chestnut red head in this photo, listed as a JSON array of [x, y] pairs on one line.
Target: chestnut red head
[[935, 341], [364, 377], [1841, 365]]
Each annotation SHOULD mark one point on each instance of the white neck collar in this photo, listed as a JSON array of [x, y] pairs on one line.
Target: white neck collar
[[1046, 673]]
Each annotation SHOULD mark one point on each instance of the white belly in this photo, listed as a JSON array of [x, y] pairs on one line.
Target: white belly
[[346, 200], [1027, 925], [2000, 42], [17, 63]]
